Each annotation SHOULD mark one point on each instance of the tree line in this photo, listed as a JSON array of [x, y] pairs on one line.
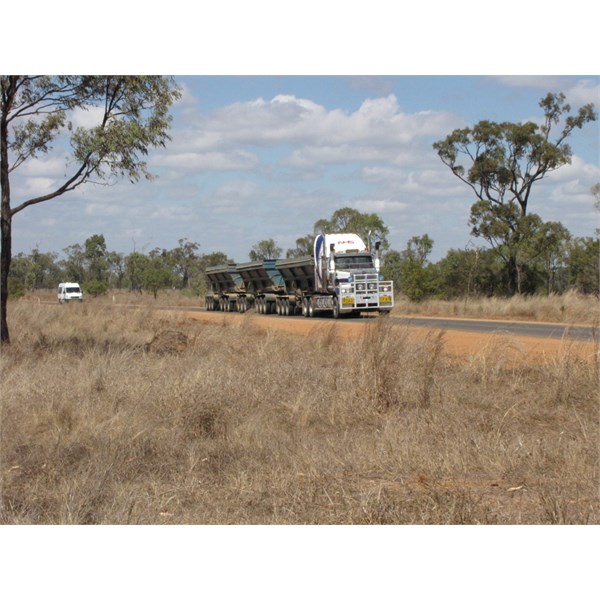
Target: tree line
[[550, 261], [98, 269]]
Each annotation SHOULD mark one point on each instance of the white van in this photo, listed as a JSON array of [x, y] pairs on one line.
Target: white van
[[69, 291]]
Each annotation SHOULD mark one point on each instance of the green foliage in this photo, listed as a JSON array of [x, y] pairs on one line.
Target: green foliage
[[37, 270], [583, 264], [135, 265], [264, 250], [369, 226], [74, 265], [304, 247], [186, 263], [469, 272], [501, 162], [410, 270], [96, 258], [16, 288], [157, 275], [95, 288]]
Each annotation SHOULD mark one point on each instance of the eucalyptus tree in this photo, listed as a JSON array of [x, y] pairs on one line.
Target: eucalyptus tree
[[36, 112], [369, 226], [265, 249], [501, 162]]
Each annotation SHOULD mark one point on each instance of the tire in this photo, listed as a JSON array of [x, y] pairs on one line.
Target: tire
[[336, 308], [311, 309], [304, 307]]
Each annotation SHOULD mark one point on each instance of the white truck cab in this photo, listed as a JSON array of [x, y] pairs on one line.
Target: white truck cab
[[69, 291]]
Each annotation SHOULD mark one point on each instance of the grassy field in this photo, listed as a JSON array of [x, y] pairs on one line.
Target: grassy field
[[118, 416]]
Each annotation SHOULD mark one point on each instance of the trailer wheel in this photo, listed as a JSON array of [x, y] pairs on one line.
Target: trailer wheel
[[311, 309], [304, 307]]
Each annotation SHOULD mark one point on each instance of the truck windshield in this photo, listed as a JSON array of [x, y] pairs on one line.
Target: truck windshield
[[354, 261], [73, 290]]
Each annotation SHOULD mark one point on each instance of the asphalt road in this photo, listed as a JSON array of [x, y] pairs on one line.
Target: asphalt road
[[542, 330]]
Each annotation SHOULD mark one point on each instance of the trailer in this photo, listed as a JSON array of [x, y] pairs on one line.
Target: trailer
[[263, 285], [298, 275], [226, 286], [341, 278]]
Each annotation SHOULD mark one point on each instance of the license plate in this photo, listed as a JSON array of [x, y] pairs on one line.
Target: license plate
[[347, 300], [385, 299]]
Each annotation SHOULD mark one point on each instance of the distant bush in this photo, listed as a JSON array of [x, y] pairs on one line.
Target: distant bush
[[95, 288], [16, 288]]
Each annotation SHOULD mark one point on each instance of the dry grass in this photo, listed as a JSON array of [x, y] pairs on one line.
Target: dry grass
[[125, 416], [569, 308]]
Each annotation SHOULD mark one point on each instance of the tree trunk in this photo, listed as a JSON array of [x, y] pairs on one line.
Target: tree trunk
[[4, 269], [513, 275], [6, 234]]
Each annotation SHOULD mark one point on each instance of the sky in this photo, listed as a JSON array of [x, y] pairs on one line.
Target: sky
[[259, 157]]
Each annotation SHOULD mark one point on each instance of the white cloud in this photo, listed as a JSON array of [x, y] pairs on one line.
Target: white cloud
[[207, 161], [377, 130], [88, 117], [52, 167]]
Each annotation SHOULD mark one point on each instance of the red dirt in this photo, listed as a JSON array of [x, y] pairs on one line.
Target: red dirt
[[520, 349]]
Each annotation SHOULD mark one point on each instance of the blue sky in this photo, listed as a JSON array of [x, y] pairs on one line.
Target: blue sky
[[257, 157]]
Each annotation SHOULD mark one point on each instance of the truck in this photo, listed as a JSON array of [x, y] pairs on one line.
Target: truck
[[341, 278]]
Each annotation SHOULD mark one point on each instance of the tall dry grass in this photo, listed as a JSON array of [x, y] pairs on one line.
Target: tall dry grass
[[569, 308], [121, 416]]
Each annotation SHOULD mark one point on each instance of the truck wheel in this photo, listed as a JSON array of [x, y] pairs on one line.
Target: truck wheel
[[311, 309], [304, 307], [336, 308]]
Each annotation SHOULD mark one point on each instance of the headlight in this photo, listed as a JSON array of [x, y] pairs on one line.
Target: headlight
[[360, 287], [372, 287]]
